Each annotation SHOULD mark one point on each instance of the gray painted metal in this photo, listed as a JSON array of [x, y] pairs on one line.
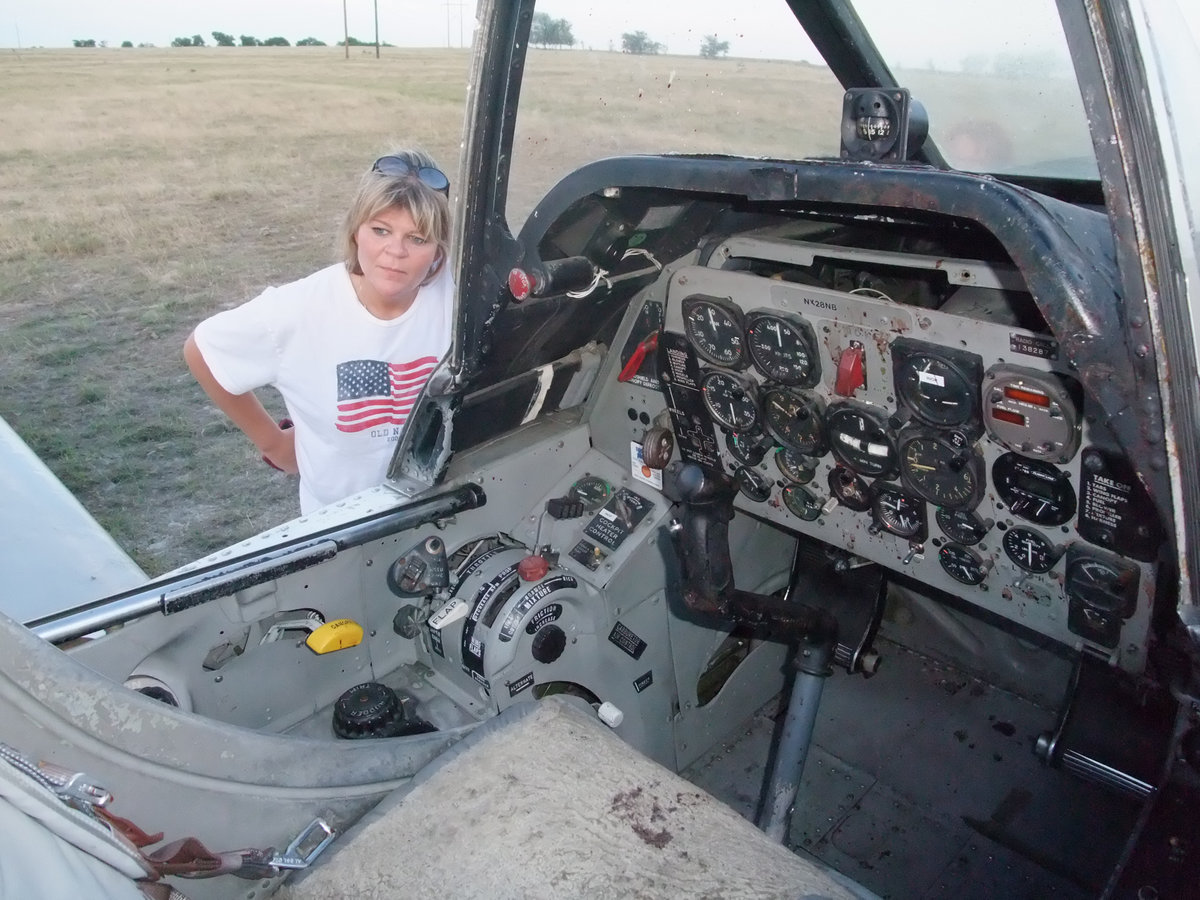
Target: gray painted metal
[[54, 555]]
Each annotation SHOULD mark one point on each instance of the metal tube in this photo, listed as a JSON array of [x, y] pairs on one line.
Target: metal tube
[[187, 589], [794, 744]]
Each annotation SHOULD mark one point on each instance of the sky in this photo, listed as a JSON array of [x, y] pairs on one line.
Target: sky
[[448, 23]]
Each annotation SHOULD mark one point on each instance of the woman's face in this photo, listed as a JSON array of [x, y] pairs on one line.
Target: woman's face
[[395, 258]]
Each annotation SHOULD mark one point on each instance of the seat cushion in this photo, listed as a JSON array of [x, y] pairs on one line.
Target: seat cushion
[[547, 802]]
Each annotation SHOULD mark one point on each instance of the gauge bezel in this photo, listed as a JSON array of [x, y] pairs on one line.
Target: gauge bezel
[[979, 531], [841, 475], [956, 447], [1050, 552], [818, 444], [885, 467], [964, 366], [791, 469], [807, 337], [744, 475], [749, 388], [730, 310], [1014, 477], [961, 550], [736, 440], [884, 521], [811, 511], [1049, 431], [575, 492]]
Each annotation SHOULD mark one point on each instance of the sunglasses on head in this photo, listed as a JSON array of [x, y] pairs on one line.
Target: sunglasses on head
[[396, 166]]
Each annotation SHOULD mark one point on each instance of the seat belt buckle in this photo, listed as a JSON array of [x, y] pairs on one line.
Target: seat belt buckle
[[308, 845]]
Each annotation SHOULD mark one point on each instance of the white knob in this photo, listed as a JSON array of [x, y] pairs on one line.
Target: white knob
[[610, 715]]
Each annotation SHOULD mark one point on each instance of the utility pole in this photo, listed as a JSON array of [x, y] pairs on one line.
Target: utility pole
[[345, 30], [460, 5], [377, 29]]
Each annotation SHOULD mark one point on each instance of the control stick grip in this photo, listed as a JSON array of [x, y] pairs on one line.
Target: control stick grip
[[703, 538]]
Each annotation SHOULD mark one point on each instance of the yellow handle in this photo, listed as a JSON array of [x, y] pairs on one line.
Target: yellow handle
[[336, 635]]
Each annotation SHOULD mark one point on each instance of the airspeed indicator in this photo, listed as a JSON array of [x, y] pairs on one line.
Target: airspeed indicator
[[782, 346], [716, 330]]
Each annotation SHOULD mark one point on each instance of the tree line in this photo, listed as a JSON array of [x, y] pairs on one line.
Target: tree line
[[546, 31]]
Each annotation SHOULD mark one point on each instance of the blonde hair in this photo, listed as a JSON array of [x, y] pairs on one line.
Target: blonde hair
[[430, 209]]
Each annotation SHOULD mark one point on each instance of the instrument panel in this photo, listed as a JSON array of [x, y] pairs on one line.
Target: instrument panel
[[949, 444]]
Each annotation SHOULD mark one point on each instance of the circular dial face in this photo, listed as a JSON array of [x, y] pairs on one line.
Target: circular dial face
[[716, 330], [860, 439], [1108, 587], [794, 466], [781, 349], [962, 525], [801, 502], [592, 491], [962, 563], [898, 513], [730, 401], [850, 490], [752, 483], [794, 420], [1030, 550], [937, 469], [936, 391], [1034, 490], [746, 449]]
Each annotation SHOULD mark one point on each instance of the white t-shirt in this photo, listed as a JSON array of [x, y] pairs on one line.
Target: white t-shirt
[[349, 379]]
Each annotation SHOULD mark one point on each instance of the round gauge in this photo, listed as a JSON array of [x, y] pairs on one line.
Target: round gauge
[[850, 490], [1033, 489], [794, 466], [593, 492], [730, 401], [794, 420], [898, 513], [801, 502], [716, 330], [783, 348], [962, 525], [1030, 550], [936, 391], [942, 470], [860, 439], [963, 564], [745, 448], [1108, 586], [1032, 413], [752, 483]]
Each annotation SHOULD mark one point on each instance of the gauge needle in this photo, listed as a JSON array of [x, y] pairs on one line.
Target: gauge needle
[[920, 467]]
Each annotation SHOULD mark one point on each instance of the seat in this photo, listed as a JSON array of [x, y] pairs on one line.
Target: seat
[[546, 802]]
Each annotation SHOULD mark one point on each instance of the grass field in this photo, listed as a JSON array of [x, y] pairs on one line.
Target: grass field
[[142, 190]]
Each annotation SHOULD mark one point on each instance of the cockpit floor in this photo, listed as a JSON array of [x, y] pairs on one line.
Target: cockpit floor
[[922, 783]]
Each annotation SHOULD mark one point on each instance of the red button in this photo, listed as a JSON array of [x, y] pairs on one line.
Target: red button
[[533, 568], [520, 285]]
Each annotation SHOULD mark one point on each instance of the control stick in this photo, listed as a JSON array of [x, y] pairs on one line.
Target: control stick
[[702, 544]]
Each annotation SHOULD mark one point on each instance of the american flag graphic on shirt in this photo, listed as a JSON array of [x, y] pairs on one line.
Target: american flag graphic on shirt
[[372, 393]]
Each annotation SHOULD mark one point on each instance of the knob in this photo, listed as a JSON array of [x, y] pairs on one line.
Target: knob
[[548, 644]]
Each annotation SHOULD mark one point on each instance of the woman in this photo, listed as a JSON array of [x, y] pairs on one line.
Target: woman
[[349, 347]]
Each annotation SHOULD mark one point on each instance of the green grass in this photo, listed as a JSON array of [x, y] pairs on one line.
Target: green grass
[[141, 191]]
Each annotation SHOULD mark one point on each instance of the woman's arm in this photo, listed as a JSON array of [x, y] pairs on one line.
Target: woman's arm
[[246, 412]]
